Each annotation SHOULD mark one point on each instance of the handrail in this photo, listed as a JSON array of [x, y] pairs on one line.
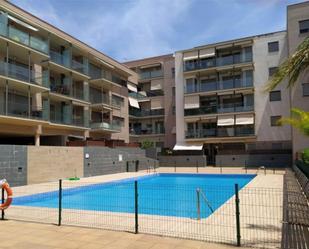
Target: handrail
[[199, 193]]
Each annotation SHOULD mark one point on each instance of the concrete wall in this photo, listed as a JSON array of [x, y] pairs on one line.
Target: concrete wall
[[50, 163], [252, 160], [13, 164], [264, 108], [182, 161]]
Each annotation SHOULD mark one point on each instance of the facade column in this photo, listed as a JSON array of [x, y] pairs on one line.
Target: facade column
[[37, 137]]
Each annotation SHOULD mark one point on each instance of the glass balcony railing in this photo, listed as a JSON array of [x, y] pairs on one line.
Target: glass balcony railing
[[23, 74], [99, 99], [24, 38], [144, 113], [235, 131], [78, 121], [220, 85], [218, 61], [147, 131], [151, 74], [61, 59], [79, 67], [21, 110], [67, 89], [104, 126], [218, 109], [137, 96]]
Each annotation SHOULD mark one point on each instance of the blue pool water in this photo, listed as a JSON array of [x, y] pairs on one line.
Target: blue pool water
[[158, 194]]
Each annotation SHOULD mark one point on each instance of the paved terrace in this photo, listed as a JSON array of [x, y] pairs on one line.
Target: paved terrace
[[260, 209]]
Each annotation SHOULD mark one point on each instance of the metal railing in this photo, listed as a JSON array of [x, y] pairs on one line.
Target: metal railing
[[151, 74], [248, 216], [143, 113], [227, 108], [147, 132]]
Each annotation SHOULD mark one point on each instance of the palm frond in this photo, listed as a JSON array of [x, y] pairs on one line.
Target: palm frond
[[299, 119], [292, 67]]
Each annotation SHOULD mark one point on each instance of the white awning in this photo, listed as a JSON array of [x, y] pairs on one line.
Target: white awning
[[133, 102], [132, 87], [190, 55], [156, 84], [245, 119], [207, 52], [157, 103], [225, 120], [192, 102], [187, 147]]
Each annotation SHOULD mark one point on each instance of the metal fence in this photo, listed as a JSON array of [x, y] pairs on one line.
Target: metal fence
[[226, 214]]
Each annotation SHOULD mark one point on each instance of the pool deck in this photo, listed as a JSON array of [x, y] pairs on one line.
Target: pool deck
[[260, 222]]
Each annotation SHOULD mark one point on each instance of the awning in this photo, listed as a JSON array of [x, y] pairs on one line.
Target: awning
[[190, 55], [207, 52], [157, 103], [192, 102], [132, 87], [156, 85], [225, 120], [180, 146], [133, 102], [245, 119]]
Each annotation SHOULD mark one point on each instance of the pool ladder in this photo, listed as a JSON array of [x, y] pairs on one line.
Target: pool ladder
[[199, 194]]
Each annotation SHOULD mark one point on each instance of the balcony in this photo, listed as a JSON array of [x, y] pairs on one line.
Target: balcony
[[235, 131], [67, 89], [146, 113], [227, 108], [151, 74], [23, 74], [61, 59], [22, 37], [220, 85], [105, 126], [146, 132], [21, 110], [97, 98], [79, 67], [218, 61]]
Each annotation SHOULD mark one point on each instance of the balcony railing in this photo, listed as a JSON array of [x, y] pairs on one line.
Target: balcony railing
[[220, 109], [151, 74], [78, 121], [218, 61], [23, 74], [104, 126], [137, 96], [21, 110], [236, 131], [24, 38], [79, 67], [147, 131], [144, 113], [67, 89], [61, 59], [99, 98]]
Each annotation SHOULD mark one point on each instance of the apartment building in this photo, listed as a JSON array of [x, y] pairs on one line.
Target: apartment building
[[54, 88], [297, 30], [221, 103], [152, 114]]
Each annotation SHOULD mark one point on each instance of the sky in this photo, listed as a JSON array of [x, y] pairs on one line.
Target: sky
[[134, 29]]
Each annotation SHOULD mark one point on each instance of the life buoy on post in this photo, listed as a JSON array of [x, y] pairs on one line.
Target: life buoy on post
[[4, 185]]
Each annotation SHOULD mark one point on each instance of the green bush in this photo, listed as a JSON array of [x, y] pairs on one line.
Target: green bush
[[147, 144], [305, 156]]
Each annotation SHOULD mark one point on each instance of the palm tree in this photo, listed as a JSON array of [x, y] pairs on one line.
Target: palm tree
[[292, 67]]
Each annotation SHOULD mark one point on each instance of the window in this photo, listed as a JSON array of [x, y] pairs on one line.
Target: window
[[272, 71], [273, 46], [173, 72], [191, 85], [274, 121], [304, 26], [275, 96], [306, 89]]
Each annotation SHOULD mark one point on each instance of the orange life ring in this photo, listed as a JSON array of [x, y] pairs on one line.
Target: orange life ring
[[4, 185]]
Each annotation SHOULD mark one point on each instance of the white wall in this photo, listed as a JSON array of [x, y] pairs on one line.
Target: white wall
[[264, 109], [179, 83]]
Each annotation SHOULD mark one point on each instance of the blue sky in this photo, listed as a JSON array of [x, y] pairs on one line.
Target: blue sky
[[133, 29]]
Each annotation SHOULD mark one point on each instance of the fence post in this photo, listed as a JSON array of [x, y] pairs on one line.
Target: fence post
[[127, 170], [60, 203], [196, 166], [136, 206], [136, 165], [2, 201], [198, 204], [237, 215], [175, 166], [220, 166], [246, 166]]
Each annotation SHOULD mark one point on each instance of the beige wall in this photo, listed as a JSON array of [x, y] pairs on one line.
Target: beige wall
[[50, 163], [296, 13]]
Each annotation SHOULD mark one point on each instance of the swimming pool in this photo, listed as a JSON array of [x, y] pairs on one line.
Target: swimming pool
[[158, 194]]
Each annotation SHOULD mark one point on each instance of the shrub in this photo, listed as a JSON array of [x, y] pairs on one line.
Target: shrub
[[147, 144], [305, 156]]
